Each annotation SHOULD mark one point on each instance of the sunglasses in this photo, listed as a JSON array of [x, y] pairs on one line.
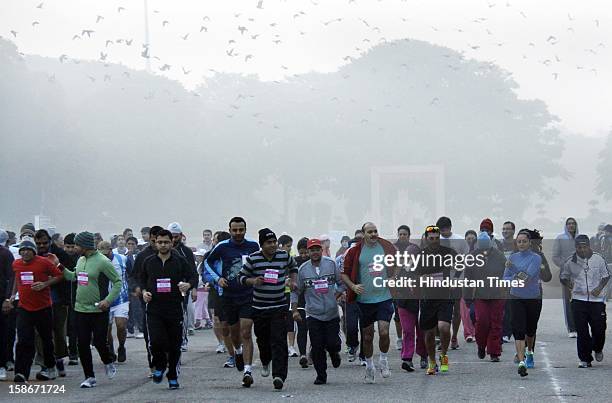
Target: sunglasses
[[432, 228]]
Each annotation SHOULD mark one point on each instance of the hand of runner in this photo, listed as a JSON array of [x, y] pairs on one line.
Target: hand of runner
[[596, 291], [222, 282], [103, 305], [257, 281], [358, 289], [183, 287], [38, 286], [6, 306], [296, 316], [147, 296]]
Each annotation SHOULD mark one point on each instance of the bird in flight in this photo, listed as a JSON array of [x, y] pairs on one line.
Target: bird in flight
[[185, 36], [230, 52], [103, 55], [14, 33], [254, 36], [99, 18], [108, 42], [260, 4], [185, 71], [247, 57], [35, 23], [40, 5], [203, 28], [165, 67], [242, 30], [120, 9], [62, 58], [88, 32], [76, 37], [165, 22]]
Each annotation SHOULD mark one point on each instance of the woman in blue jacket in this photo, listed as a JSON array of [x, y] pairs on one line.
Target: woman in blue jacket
[[526, 298]]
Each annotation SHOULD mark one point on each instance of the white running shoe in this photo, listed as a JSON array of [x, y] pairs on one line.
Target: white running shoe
[[2, 374], [369, 375], [111, 370], [292, 352], [265, 370], [384, 368], [88, 383], [572, 335], [220, 348], [398, 344]]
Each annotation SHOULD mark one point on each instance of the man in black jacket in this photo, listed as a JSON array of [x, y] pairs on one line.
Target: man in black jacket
[[166, 277], [149, 250], [6, 285]]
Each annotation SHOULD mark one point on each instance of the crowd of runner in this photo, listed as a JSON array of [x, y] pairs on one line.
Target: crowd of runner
[[63, 294]]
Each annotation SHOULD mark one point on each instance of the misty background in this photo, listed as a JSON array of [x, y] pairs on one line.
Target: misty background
[[103, 145]]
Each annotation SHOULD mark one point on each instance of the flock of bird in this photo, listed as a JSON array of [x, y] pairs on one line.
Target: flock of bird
[[246, 30]]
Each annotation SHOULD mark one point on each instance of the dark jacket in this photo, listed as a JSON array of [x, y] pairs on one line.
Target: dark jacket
[[177, 270], [6, 272], [136, 275], [61, 293], [494, 266]]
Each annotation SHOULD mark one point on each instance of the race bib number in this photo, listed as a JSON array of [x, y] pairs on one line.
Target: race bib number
[[271, 276], [321, 286], [27, 277], [373, 272], [82, 278], [163, 285]]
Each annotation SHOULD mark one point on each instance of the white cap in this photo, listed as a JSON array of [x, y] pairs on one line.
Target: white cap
[[175, 228]]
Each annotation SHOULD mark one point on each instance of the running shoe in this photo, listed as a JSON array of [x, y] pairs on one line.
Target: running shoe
[[121, 354], [247, 380], [292, 352], [494, 358], [239, 360], [140, 335], [19, 378], [110, 370], [482, 353], [398, 344], [320, 381], [431, 368], [407, 365], [352, 354], [362, 362], [304, 361], [529, 360], [506, 339], [384, 368], [173, 384], [278, 383], [335, 359], [130, 335], [599, 356], [158, 376], [2, 374], [88, 383], [61, 370], [265, 370], [230, 363], [73, 361], [444, 363], [454, 343], [470, 339], [10, 366], [572, 335], [423, 363], [220, 348], [47, 374], [522, 369], [369, 375]]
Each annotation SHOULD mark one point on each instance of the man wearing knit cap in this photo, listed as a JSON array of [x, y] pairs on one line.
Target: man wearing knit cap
[[586, 274], [94, 274], [486, 225], [34, 276], [267, 271], [73, 256]]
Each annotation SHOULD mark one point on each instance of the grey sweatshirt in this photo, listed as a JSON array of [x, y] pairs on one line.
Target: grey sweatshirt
[[319, 289], [564, 247], [586, 275]]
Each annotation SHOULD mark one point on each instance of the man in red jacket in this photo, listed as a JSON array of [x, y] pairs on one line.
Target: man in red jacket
[[362, 265]]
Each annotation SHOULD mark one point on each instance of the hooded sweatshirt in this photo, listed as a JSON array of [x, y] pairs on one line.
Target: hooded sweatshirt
[[586, 274], [564, 246]]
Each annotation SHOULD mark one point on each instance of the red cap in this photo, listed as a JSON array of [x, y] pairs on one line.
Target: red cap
[[486, 224], [313, 242]]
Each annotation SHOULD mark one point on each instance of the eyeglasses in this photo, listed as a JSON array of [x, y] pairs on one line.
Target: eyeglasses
[[432, 228]]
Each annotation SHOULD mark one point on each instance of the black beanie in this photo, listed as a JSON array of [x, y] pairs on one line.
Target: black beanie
[[444, 222], [266, 234], [582, 240]]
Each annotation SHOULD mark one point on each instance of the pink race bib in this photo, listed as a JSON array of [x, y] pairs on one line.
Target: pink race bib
[[27, 278], [82, 278], [163, 285], [321, 286], [271, 276]]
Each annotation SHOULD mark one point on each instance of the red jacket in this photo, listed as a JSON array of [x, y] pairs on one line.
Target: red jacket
[[351, 264]]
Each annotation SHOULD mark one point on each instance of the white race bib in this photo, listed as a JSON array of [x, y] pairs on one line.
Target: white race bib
[[321, 286]]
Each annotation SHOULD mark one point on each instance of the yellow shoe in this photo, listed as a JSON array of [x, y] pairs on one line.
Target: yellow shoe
[[431, 368], [444, 363]]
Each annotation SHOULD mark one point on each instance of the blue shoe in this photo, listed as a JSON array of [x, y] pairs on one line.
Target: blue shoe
[[230, 363], [158, 376], [529, 360], [173, 384]]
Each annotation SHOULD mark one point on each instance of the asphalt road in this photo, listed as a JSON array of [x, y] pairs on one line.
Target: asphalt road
[[555, 378]]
